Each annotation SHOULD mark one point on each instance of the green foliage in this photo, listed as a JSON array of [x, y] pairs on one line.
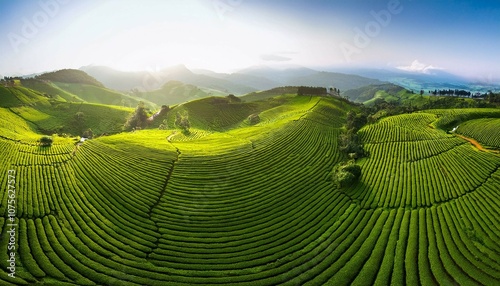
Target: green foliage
[[493, 98], [51, 90], [350, 144], [88, 133], [100, 95], [484, 130], [253, 205], [233, 99], [346, 174], [352, 168], [366, 93], [46, 141], [269, 94], [253, 119], [345, 179], [70, 76], [182, 122], [14, 127], [309, 90], [138, 119]]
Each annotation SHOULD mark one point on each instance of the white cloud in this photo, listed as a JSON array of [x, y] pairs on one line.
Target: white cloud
[[419, 67]]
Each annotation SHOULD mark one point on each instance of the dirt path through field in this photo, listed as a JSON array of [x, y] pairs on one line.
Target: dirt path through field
[[171, 135], [477, 144]]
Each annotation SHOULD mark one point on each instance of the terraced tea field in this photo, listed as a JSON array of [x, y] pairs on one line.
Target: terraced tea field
[[255, 205]]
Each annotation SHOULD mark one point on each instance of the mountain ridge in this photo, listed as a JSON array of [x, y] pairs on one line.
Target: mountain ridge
[[240, 82]]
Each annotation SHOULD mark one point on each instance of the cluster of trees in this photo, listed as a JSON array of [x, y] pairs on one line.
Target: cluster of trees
[[88, 133], [283, 90], [393, 108], [493, 98], [334, 91], [253, 119], [79, 122], [46, 141], [231, 98], [182, 122], [346, 174], [311, 90], [10, 81], [139, 118], [350, 144], [450, 92]]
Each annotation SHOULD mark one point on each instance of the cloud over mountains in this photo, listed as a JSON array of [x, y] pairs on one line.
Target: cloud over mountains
[[419, 67]]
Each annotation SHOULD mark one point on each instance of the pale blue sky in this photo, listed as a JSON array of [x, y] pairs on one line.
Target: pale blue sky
[[225, 35]]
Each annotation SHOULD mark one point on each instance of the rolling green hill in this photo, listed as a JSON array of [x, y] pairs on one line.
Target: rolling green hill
[[51, 90], [77, 86], [173, 92], [70, 76], [260, 95], [48, 115], [366, 93], [237, 204], [100, 95], [485, 130]]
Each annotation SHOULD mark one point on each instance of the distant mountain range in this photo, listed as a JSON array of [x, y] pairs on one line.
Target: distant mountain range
[[241, 82], [416, 81], [177, 84]]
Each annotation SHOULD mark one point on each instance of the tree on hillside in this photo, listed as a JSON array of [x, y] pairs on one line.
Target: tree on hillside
[[233, 98], [182, 121], [88, 133], [46, 141], [79, 122], [163, 125], [253, 119], [346, 174], [138, 118]]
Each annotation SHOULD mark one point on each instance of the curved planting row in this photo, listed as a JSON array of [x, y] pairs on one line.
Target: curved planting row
[[212, 115], [418, 173], [194, 134], [402, 128], [450, 118], [485, 130], [423, 212]]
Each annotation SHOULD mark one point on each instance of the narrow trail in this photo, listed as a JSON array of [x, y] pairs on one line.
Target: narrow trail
[[478, 145], [171, 135], [160, 197]]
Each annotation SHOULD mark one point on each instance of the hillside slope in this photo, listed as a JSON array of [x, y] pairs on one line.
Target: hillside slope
[[255, 204], [173, 92], [77, 86], [70, 76], [47, 115]]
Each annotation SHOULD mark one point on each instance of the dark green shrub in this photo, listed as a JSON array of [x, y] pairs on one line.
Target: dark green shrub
[[46, 141], [346, 174], [253, 119]]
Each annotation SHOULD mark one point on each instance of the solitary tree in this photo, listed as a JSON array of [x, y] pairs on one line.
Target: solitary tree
[[233, 98], [46, 141], [182, 121], [138, 118], [253, 119], [88, 133]]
